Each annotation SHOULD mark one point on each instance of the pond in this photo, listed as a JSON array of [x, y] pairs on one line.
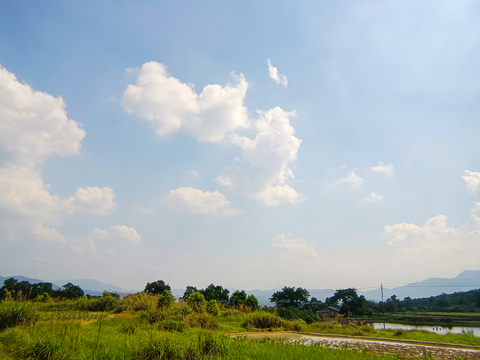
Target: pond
[[442, 330]]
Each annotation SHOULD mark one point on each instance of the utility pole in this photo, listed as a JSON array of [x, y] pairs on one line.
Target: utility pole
[[381, 287]]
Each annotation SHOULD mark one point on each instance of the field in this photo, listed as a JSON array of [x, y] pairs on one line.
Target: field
[[135, 328]]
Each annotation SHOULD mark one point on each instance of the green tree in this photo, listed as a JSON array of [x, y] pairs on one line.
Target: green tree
[[197, 302], [290, 297], [351, 303], [212, 308], [41, 288], [239, 297], [252, 302], [212, 292], [166, 300], [156, 287], [189, 291], [71, 291]]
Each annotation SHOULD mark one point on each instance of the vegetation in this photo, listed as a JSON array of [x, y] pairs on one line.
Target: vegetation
[[156, 326]]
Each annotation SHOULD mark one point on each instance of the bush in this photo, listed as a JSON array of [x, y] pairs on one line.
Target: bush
[[107, 303], [172, 326], [197, 302], [13, 314], [137, 302], [44, 350], [207, 322], [156, 316], [212, 308], [262, 320], [166, 300], [129, 328]]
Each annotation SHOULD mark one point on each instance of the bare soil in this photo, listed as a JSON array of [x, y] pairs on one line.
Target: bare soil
[[405, 348]]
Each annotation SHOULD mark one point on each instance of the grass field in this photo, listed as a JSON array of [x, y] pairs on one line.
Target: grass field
[[135, 329]]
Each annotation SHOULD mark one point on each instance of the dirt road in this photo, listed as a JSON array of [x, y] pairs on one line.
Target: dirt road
[[406, 348]]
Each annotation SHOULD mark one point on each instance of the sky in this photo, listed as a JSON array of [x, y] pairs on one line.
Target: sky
[[247, 144]]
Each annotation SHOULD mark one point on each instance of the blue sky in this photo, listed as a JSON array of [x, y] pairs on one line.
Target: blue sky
[[179, 153]]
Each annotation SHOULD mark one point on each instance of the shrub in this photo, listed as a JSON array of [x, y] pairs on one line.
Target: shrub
[[156, 316], [197, 302], [212, 308], [107, 303], [231, 312], [13, 314], [207, 322], [172, 325], [129, 328], [44, 350], [137, 302], [262, 320], [166, 300]]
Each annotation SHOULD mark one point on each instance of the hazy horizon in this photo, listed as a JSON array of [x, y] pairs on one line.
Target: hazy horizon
[[253, 145]]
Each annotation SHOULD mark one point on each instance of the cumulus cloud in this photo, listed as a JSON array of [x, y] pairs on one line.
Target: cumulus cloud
[[172, 105], [275, 75], [117, 233], [386, 169], [475, 218], [263, 171], [433, 227], [373, 197], [297, 247], [194, 200], [352, 179], [34, 126], [472, 179], [47, 234], [434, 244]]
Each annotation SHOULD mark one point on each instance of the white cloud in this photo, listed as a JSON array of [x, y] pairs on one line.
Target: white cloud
[[373, 197], [94, 200], [275, 76], [34, 126], [472, 179], [117, 233], [297, 247], [143, 210], [264, 171], [229, 212], [434, 226], [170, 104], [434, 244], [477, 207], [83, 246], [47, 234], [475, 218], [352, 179], [386, 169], [194, 173], [195, 200]]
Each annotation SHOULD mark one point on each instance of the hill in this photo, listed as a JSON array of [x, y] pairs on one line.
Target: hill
[[465, 281]]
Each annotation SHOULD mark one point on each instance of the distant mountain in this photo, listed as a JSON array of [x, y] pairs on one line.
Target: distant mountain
[[91, 284], [465, 281], [23, 278]]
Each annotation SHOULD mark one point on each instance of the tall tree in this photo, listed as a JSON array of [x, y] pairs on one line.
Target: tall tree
[[156, 287], [189, 291], [291, 297], [212, 292]]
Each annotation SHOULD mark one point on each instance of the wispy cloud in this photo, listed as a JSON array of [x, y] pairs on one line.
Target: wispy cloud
[[275, 75]]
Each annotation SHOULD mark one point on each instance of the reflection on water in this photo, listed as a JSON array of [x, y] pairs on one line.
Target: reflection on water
[[436, 329]]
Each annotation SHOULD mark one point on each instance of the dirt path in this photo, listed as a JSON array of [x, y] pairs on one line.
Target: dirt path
[[406, 348]]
